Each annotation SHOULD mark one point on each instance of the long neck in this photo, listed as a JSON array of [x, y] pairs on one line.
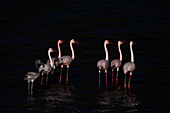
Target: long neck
[[59, 51], [71, 46], [106, 51], [51, 62], [120, 52], [132, 56]]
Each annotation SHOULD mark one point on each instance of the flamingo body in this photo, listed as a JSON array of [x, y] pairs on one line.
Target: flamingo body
[[30, 77], [65, 60], [129, 67], [116, 63], [102, 64]]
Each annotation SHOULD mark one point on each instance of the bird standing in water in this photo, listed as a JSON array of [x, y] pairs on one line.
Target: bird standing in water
[[30, 77], [103, 64], [116, 63], [129, 66], [45, 68], [66, 60]]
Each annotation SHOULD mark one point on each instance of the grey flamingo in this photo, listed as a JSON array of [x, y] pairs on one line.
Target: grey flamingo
[[45, 68], [66, 60], [56, 60], [103, 64], [30, 77], [116, 63], [129, 66]]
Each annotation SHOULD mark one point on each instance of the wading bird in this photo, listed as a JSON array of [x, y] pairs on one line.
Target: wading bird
[[66, 60], [45, 68], [103, 64], [129, 66], [116, 63], [56, 60], [30, 77]]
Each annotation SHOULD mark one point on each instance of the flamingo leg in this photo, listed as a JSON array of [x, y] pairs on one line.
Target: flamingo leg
[[117, 76], [112, 76], [99, 78], [61, 73], [52, 71], [129, 81], [125, 82], [42, 79], [28, 87], [47, 80], [32, 87], [106, 77], [67, 74]]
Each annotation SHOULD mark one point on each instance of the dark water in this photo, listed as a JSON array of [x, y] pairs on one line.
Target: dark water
[[28, 29]]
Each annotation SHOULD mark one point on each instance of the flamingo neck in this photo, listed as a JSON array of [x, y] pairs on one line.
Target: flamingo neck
[[59, 51], [106, 51], [51, 62], [132, 55], [120, 52], [71, 46]]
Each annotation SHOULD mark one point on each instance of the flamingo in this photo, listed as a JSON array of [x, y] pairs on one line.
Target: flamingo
[[56, 60], [30, 77], [129, 66], [116, 63], [45, 68], [103, 64], [66, 60]]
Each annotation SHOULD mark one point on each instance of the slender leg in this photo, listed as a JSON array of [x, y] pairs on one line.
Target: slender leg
[[61, 73], [42, 79], [28, 87], [129, 80], [112, 76], [117, 76], [99, 78], [32, 87], [47, 80], [52, 71], [106, 77], [125, 82], [67, 74]]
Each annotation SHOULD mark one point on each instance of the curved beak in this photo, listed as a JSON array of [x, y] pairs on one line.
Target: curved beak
[[77, 42], [64, 41], [55, 50], [124, 41], [111, 42]]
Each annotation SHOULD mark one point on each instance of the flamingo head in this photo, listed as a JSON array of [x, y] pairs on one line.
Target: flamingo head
[[61, 41], [108, 42], [52, 50], [74, 41], [121, 42], [131, 43]]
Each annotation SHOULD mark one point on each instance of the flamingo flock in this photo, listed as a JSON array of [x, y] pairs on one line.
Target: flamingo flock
[[116, 63], [51, 64]]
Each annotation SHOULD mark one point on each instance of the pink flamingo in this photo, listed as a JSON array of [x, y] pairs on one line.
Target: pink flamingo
[[116, 63], [45, 68], [129, 66], [56, 60], [66, 60], [103, 64]]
